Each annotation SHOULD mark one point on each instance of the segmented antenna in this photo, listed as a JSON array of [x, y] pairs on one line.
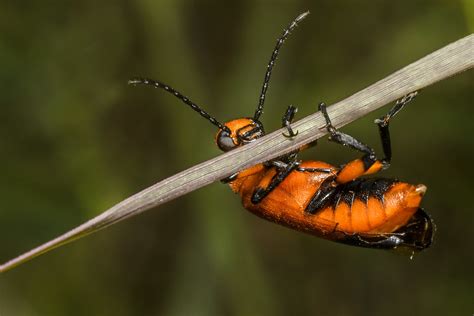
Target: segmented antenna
[[273, 58], [177, 94]]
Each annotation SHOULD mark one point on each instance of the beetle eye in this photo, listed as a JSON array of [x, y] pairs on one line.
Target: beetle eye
[[224, 141]]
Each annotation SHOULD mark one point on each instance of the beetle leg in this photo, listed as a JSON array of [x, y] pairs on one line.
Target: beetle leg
[[322, 196], [252, 134], [292, 158], [342, 138], [383, 123], [368, 164], [378, 241], [283, 165], [286, 121], [260, 192], [230, 178], [323, 170], [280, 165]]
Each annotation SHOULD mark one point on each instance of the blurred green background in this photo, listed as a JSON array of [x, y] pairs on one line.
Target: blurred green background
[[75, 139]]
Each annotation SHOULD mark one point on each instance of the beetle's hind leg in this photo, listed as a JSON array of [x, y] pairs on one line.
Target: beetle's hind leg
[[368, 164], [342, 138], [287, 119], [383, 123]]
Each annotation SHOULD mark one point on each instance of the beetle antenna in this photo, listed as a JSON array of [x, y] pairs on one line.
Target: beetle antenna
[[194, 106], [273, 58]]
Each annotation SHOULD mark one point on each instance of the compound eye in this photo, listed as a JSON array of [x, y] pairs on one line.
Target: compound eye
[[224, 141]]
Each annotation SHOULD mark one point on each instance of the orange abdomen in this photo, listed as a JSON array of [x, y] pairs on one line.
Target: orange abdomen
[[363, 206]]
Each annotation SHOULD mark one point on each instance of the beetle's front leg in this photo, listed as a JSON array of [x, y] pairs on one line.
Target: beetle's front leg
[[287, 119]]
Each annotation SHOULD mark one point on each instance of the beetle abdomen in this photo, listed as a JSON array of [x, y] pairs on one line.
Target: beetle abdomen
[[372, 205]]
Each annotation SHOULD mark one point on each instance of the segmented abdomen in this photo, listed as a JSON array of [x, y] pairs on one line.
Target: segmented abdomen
[[374, 205], [370, 206]]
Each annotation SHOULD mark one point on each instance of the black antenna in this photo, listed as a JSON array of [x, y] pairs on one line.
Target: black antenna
[[177, 94], [279, 43]]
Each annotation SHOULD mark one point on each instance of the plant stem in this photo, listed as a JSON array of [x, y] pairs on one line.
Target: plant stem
[[441, 64]]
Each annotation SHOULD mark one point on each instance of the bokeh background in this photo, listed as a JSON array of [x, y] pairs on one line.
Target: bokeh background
[[75, 140]]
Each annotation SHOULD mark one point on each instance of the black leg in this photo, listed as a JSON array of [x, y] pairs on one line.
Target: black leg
[[286, 121], [282, 173], [377, 241], [323, 170], [383, 124], [230, 178], [252, 134], [342, 138], [279, 164], [322, 196]]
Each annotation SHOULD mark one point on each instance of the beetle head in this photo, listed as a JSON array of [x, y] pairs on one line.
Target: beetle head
[[238, 132]]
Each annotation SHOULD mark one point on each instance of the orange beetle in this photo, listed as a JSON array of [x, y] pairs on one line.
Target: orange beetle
[[317, 198]]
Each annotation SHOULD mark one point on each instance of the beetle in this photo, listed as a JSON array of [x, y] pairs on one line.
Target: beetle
[[335, 203]]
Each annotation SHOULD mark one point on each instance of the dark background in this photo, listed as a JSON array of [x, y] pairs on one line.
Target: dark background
[[75, 139]]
